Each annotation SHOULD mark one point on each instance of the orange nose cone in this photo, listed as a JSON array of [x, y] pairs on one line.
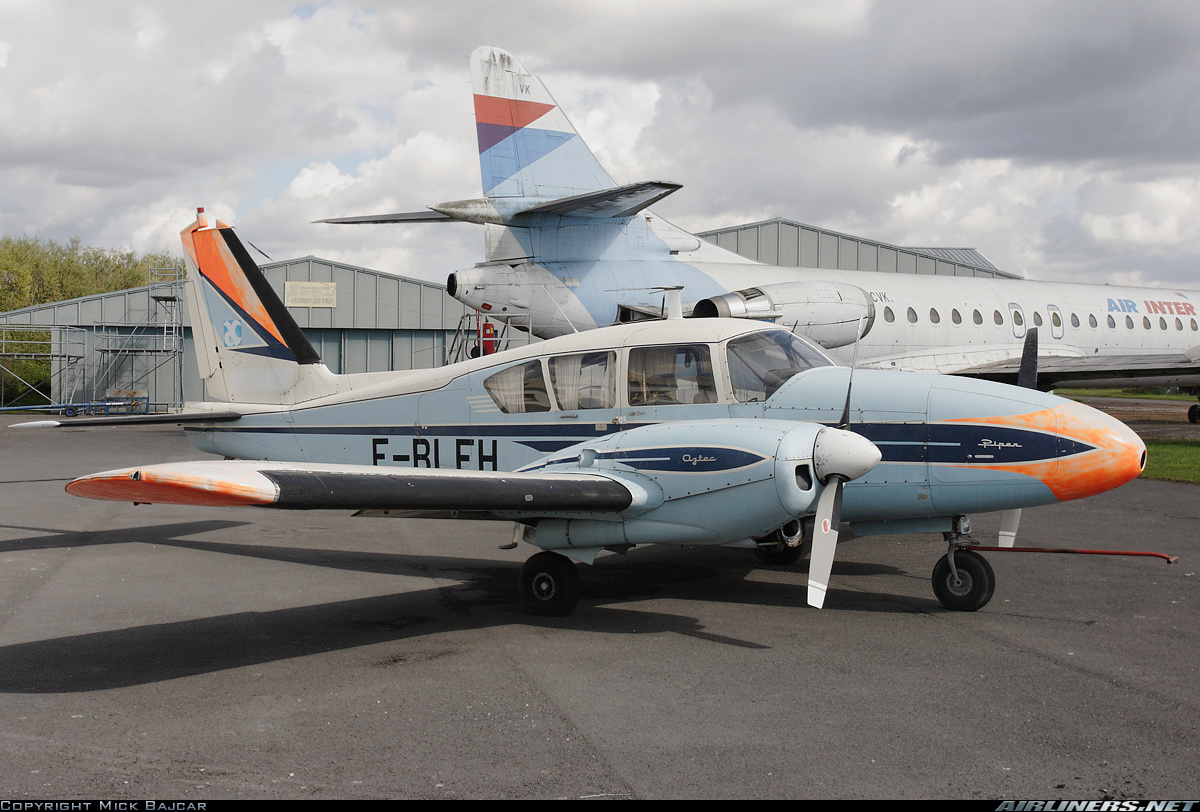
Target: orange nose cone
[[1118, 454]]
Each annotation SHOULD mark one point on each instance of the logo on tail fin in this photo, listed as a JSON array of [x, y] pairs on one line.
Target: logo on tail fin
[[241, 305]]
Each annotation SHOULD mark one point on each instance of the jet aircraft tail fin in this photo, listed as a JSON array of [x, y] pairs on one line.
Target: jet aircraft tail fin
[[248, 347], [527, 146]]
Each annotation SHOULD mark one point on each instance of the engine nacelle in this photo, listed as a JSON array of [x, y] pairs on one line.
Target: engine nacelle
[[833, 314], [693, 483]]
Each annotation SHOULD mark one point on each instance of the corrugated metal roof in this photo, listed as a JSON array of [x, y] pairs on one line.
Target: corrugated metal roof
[[963, 256], [762, 241]]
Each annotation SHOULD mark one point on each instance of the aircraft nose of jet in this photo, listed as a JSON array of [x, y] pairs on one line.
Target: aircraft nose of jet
[[1097, 452]]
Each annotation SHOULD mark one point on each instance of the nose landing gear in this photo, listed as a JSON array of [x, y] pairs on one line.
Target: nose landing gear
[[962, 579]]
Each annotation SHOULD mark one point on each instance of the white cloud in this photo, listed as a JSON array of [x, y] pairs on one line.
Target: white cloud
[[1058, 139]]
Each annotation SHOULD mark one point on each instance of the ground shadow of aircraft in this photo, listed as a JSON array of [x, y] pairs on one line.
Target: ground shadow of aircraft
[[160, 652]]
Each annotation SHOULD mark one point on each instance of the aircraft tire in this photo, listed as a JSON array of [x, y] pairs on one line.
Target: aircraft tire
[[1194, 413], [549, 585], [975, 587]]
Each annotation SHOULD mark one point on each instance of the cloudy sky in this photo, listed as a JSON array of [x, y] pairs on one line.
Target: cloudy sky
[[1061, 139]]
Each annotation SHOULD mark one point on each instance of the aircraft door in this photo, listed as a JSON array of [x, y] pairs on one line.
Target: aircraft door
[[1017, 316], [586, 392]]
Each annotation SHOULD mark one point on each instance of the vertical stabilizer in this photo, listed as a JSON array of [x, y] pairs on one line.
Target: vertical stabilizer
[[248, 347], [527, 147]]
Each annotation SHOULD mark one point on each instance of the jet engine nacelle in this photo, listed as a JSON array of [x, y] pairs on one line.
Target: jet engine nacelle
[[833, 314], [523, 294]]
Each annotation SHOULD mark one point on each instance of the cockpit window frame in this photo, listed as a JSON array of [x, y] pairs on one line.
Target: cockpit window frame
[[769, 384]]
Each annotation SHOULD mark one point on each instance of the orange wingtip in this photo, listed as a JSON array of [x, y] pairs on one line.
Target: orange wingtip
[[172, 487]]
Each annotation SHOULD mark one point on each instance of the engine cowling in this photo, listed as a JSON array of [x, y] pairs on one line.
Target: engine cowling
[[833, 314], [700, 482]]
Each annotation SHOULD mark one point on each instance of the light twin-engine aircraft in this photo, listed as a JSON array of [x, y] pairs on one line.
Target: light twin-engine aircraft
[[568, 249], [716, 431]]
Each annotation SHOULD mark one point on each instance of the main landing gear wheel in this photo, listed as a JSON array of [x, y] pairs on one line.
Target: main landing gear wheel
[[972, 589], [549, 585], [1194, 413]]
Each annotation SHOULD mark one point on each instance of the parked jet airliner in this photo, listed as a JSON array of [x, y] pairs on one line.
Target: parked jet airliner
[[567, 249]]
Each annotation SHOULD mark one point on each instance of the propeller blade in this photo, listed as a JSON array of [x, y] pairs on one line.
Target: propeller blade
[[825, 538], [1009, 520], [1027, 376]]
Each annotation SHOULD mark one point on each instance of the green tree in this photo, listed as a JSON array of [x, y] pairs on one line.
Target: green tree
[[35, 271]]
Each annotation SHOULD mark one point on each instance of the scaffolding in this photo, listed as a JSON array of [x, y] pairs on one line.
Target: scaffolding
[[472, 338], [60, 347], [127, 354]]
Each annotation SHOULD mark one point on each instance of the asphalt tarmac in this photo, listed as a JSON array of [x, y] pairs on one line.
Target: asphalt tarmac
[[189, 654]]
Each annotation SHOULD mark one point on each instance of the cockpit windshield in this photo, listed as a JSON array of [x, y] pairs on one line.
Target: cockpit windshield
[[760, 362]]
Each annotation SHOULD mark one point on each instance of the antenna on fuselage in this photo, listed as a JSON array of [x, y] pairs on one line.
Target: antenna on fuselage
[[673, 309]]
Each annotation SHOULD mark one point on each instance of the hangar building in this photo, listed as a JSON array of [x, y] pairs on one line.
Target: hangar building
[[139, 340]]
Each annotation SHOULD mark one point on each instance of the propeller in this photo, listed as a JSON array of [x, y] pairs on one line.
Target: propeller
[[838, 457], [1026, 377]]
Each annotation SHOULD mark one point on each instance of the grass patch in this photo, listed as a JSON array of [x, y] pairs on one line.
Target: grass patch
[[1152, 394], [1173, 460]]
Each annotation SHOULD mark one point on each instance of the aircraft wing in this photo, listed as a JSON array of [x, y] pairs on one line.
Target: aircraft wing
[[302, 486], [1054, 371]]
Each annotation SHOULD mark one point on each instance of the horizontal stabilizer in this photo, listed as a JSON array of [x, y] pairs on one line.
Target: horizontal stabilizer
[[622, 201], [131, 420], [297, 486], [398, 217]]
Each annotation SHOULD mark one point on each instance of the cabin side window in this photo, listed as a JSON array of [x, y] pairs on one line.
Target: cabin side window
[[671, 375], [519, 389], [584, 381], [760, 362]]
